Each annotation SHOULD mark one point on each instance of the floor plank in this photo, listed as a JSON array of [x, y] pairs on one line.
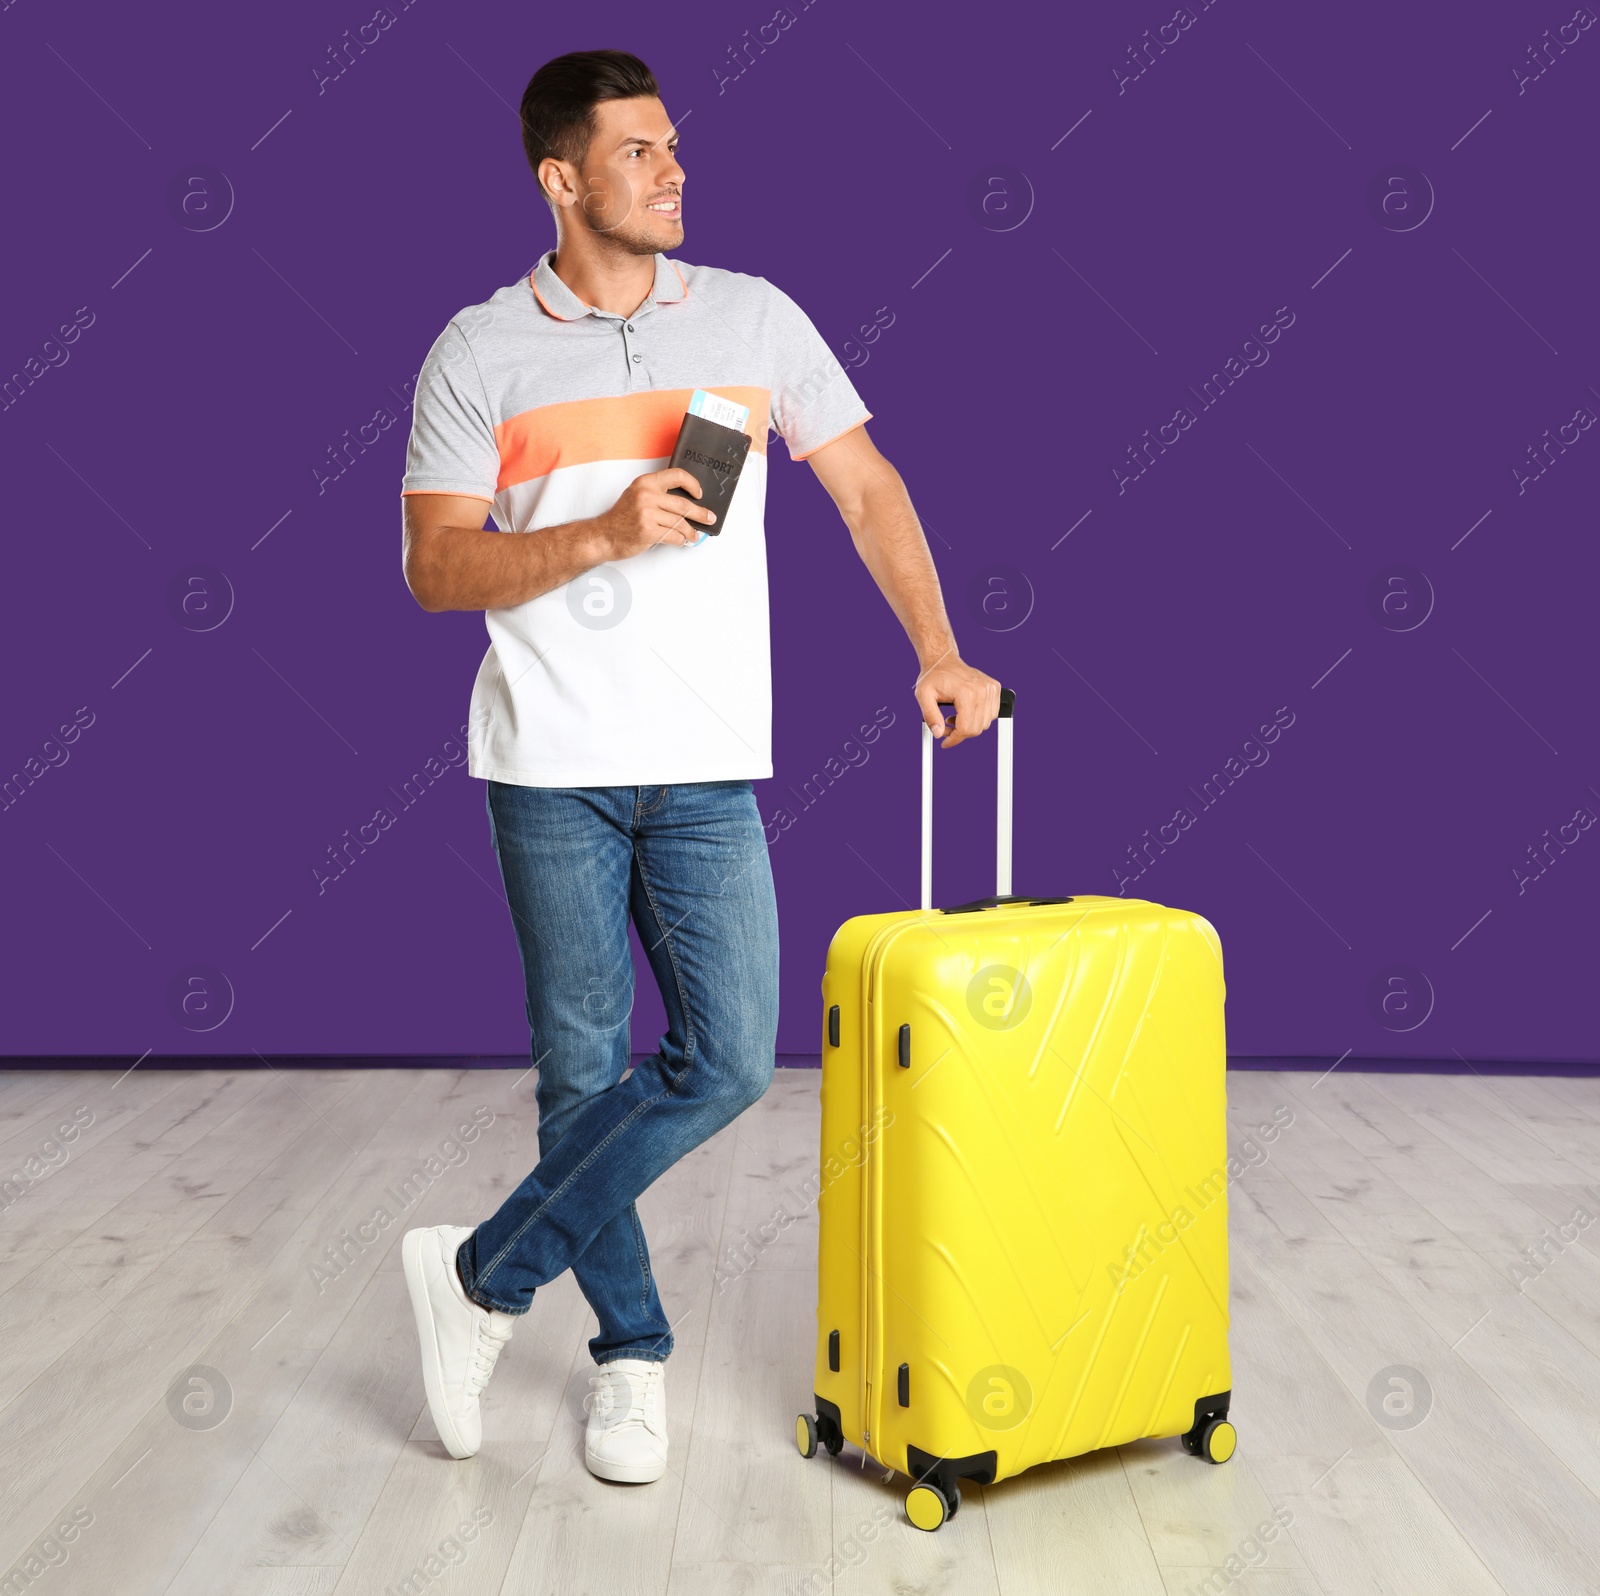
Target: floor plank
[[579, 1532], [1565, 1124], [1543, 1374], [98, 1420], [870, 1548], [1499, 1221], [53, 1207], [1358, 1515], [290, 1498], [214, 1218], [1466, 1115], [1080, 1515], [1532, 1521]]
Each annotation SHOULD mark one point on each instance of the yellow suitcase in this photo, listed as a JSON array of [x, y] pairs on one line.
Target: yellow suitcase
[[1023, 1245]]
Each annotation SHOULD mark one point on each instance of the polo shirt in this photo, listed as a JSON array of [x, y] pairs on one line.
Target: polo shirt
[[656, 668]]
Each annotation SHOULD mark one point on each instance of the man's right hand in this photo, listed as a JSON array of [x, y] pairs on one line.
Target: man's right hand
[[451, 563], [647, 514]]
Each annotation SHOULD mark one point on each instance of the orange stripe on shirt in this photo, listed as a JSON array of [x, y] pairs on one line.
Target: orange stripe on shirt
[[636, 426]]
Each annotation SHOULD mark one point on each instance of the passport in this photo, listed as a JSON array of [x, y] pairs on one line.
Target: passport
[[711, 447]]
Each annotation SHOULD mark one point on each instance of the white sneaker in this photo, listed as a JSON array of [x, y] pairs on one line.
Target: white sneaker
[[626, 1436], [460, 1340]]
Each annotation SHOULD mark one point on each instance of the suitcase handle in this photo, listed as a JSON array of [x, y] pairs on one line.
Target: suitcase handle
[[995, 903], [1002, 813]]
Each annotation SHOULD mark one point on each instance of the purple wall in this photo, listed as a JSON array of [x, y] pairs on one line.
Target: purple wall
[[1066, 265]]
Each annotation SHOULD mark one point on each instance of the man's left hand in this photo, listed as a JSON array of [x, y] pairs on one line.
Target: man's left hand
[[976, 697]]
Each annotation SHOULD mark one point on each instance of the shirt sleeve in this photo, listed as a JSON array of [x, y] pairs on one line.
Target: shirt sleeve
[[452, 447], [813, 399]]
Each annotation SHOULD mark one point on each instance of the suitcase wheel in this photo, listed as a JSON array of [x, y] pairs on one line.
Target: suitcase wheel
[[927, 1506], [1217, 1441], [805, 1435]]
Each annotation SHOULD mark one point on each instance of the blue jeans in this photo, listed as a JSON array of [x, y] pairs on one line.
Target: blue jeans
[[689, 863]]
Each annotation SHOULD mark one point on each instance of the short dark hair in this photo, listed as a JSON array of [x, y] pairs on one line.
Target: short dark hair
[[558, 104]]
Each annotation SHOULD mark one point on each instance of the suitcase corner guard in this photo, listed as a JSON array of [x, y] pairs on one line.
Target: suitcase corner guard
[[830, 1425], [1205, 1409], [945, 1471]]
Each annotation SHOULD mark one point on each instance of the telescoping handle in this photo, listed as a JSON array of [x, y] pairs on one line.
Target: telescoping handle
[[1002, 839]]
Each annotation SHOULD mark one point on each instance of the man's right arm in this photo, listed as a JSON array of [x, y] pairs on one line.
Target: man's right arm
[[451, 563]]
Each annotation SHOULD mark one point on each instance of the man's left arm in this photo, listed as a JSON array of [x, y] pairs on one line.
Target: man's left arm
[[876, 507]]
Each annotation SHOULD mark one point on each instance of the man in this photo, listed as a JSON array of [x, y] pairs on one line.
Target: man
[[623, 709]]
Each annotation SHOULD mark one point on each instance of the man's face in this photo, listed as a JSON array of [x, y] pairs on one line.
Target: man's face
[[630, 187]]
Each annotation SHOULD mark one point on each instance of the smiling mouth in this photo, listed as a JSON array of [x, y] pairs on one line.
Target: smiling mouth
[[670, 206]]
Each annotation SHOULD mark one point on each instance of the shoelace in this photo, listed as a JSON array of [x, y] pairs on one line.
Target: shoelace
[[602, 1398], [491, 1338]]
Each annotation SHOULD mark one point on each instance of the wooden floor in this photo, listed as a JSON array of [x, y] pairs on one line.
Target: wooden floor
[[1382, 1228]]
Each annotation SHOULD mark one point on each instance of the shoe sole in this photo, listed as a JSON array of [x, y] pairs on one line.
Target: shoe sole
[[432, 1366], [624, 1473]]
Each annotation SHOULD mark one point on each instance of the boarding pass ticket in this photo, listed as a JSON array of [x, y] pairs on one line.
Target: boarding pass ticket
[[715, 408]]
